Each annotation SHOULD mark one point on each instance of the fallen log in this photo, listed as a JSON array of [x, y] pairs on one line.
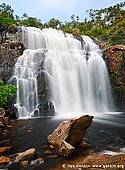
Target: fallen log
[[69, 134]]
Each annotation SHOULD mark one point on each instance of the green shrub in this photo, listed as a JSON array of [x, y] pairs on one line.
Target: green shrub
[[6, 92]]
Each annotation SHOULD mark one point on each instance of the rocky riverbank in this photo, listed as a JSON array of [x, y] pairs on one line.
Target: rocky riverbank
[[93, 162]]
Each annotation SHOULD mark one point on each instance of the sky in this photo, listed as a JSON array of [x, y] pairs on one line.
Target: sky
[[58, 9]]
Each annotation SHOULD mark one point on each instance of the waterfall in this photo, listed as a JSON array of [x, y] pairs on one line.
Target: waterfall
[[99, 95], [76, 73]]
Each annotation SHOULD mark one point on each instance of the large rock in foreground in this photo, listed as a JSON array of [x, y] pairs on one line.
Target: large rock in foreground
[[69, 134]]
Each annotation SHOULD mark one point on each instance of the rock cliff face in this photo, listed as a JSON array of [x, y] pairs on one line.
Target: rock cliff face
[[8, 58], [115, 59], [46, 107], [10, 49]]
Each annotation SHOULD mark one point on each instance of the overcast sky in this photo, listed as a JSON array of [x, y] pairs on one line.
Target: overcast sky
[[58, 9]]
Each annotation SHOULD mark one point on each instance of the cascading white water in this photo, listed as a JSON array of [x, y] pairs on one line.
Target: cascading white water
[[99, 95], [78, 78], [25, 73]]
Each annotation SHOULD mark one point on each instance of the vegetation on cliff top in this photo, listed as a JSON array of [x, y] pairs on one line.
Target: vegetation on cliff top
[[107, 24]]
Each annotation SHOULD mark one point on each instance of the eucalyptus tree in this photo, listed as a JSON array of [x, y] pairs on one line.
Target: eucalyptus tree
[[6, 11], [53, 23]]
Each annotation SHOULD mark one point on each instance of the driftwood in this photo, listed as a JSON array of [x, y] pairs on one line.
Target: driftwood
[[69, 134]]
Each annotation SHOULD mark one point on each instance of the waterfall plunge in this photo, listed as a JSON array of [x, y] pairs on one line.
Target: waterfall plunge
[[77, 74]]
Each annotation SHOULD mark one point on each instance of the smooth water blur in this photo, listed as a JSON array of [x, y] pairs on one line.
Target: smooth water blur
[[25, 73], [76, 72]]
